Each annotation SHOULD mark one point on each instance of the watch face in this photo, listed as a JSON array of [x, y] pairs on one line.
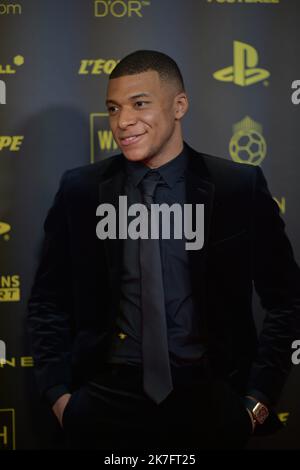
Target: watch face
[[260, 412]]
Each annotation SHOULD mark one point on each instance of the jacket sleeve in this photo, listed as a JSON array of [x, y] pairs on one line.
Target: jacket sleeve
[[277, 281], [49, 312]]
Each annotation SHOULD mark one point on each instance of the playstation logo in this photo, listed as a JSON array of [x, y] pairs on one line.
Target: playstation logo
[[243, 72]]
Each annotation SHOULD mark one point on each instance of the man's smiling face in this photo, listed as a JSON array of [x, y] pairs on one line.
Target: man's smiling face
[[144, 117]]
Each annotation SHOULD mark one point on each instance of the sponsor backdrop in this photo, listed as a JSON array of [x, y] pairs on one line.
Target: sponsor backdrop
[[240, 60]]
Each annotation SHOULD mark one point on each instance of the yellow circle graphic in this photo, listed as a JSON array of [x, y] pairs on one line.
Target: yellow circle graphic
[[18, 60]]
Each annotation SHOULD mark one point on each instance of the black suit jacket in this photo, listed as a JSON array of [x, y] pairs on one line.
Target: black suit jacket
[[75, 296]]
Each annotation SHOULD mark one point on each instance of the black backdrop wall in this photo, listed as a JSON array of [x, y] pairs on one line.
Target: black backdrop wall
[[240, 60]]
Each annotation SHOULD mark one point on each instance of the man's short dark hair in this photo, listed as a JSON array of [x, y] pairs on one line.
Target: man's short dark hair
[[145, 60]]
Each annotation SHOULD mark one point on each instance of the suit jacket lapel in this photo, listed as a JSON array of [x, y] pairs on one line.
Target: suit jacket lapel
[[112, 185], [200, 190]]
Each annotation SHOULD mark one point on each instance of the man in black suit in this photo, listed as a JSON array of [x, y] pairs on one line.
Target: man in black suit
[[139, 342]]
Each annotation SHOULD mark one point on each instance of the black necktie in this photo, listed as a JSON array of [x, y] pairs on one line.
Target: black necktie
[[157, 377]]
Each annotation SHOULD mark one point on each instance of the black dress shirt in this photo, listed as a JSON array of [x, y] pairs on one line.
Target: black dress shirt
[[182, 320]]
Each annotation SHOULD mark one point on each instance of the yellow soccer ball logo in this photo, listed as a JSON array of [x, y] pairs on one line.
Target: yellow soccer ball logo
[[248, 146]]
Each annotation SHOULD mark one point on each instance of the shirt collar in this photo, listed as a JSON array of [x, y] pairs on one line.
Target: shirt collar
[[170, 171]]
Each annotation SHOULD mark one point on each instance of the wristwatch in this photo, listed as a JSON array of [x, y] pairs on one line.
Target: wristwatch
[[258, 410]]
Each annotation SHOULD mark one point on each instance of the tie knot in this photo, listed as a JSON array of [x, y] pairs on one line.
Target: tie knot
[[149, 183]]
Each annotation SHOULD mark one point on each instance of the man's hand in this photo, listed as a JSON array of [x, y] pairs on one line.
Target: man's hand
[[59, 406]]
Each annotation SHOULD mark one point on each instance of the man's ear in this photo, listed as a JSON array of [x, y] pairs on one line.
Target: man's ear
[[181, 105]]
